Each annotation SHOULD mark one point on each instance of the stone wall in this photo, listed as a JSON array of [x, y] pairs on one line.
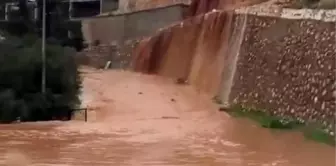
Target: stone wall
[[123, 27], [287, 66], [97, 56]]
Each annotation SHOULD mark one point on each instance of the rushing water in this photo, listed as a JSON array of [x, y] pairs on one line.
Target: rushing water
[[144, 120]]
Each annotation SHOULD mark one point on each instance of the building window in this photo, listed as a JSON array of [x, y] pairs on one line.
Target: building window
[[12, 10], [2, 12], [86, 8], [110, 5]]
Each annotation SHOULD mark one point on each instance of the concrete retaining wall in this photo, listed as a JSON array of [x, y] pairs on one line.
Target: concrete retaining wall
[[129, 26], [127, 6]]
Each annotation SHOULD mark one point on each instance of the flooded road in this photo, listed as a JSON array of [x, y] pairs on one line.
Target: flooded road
[[138, 120]]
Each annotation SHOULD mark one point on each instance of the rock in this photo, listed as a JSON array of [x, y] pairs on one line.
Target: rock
[[323, 106], [292, 111], [334, 94], [315, 100], [224, 107], [217, 100]]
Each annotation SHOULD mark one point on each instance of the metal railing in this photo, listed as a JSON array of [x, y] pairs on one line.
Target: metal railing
[[85, 112]]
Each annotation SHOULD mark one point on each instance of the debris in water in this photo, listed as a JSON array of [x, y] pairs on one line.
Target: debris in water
[[222, 109], [217, 100], [107, 65], [181, 81], [169, 117]]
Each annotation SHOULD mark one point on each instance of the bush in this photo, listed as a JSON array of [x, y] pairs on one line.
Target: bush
[[20, 80], [313, 131], [263, 118]]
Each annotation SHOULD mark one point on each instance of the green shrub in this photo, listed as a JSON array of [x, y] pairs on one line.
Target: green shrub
[[263, 118], [310, 130], [20, 80], [317, 133]]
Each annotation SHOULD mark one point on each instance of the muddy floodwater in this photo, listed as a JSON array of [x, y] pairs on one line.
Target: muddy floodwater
[[139, 120]]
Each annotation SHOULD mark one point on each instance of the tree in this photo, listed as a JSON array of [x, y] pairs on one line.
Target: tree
[[20, 75]]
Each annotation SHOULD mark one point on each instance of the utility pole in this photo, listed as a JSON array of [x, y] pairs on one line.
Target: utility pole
[[43, 83]]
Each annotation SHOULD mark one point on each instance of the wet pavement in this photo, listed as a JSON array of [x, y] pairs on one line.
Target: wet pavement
[[138, 120]]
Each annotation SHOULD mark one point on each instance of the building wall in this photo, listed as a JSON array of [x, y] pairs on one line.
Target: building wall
[[110, 5]]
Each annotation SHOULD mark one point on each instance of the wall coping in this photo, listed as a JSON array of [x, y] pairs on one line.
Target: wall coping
[[276, 11], [107, 15]]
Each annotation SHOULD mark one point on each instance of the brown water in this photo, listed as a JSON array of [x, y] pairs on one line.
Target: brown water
[[144, 120]]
